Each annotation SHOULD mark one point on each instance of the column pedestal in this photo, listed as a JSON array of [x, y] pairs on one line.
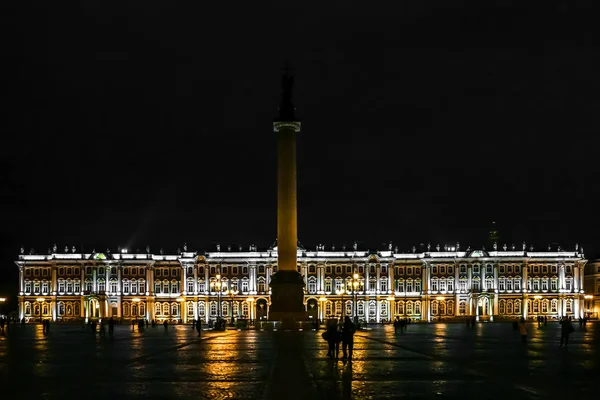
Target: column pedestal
[[287, 299]]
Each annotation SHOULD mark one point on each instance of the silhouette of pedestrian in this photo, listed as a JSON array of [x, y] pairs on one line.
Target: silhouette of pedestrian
[[523, 330], [199, 327], [166, 326], [565, 330], [348, 330]]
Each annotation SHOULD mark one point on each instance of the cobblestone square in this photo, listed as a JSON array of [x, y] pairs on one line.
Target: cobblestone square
[[427, 361]]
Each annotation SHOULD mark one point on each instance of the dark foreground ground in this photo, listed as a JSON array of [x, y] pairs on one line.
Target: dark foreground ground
[[428, 361]]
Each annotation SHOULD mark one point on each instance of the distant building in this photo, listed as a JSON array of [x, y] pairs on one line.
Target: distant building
[[592, 289], [375, 286]]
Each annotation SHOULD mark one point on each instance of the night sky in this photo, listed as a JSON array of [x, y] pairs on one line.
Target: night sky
[[150, 123]]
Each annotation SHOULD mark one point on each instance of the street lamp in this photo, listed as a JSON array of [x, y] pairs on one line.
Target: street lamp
[[341, 292], [231, 293], [217, 286], [355, 284], [322, 300]]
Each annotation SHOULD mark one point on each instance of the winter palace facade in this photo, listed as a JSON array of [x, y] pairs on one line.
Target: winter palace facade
[[375, 286]]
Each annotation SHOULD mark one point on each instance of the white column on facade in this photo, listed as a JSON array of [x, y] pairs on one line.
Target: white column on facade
[[576, 278], [183, 280], [391, 288], [195, 290], [495, 266], [378, 309], [378, 278], [21, 280], [94, 280], [469, 277], [206, 288], [561, 278], [477, 309], [53, 279]]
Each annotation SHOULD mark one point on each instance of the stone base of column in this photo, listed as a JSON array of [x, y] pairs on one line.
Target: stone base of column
[[287, 299]]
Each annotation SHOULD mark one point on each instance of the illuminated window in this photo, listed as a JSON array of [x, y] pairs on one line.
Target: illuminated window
[[244, 285], [201, 286], [261, 285], [417, 307], [126, 286], [36, 287], [545, 284], [434, 284], [69, 286], [401, 285], [338, 308], [372, 308], [517, 281], [518, 307], [501, 286], [384, 285], [101, 285], [409, 307], [190, 309], [61, 286], [328, 308], [509, 307], [509, 284], [545, 306], [409, 285], [134, 310], [360, 308], [462, 308], [88, 285], [400, 308], [569, 306], [442, 285], [126, 310], [157, 309], [202, 308], [553, 305], [434, 307], [77, 286], [442, 308], [190, 286], [312, 285], [245, 309], [27, 287], [554, 284], [142, 309], [418, 285], [45, 287], [328, 284], [165, 309], [61, 308]]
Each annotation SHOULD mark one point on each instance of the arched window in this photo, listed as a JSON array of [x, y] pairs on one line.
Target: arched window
[[36, 309], [190, 286], [45, 287], [45, 309], [61, 286], [142, 286], [61, 308], [165, 307], [142, 309], [27, 308], [213, 308], [348, 310], [126, 309], [134, 310], [312, 285], [328, 308], [69, 309], [101, 285], [261, 285], [174, 286], [245, 309], [360, 308], [553, 305], [101, 271], [76, 309], [569, 306], [434, 307], [174, 309], [409, 307], [338, 308], [157, 309], [400, 308], [69, 286], [372, 308], [450, 307], [383, 308], [518, 307], [417, 307], [190, 309], [201, 308], [434, 284], [462, 307], [126, 286], [545, 306], [502, 306]]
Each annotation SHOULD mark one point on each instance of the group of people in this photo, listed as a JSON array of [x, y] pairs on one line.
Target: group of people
[[337, 333], [566, 328], [401, 323]]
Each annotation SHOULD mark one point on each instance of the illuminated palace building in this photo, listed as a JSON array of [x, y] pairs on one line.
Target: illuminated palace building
[[376, 286]]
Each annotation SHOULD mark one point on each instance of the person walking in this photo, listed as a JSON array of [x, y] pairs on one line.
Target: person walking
[[348, 330], [333, 339], [523, 330], [566, 329], [199, 327]]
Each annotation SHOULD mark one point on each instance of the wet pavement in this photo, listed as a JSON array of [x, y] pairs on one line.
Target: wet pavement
[[427, 361]]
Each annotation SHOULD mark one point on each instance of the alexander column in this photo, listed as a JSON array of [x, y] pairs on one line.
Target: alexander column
[[287, 285]]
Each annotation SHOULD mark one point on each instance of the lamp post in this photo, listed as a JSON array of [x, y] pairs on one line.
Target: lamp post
[[322, 300], [341, 292], [231, 293], [250, 301], [217, 286], [2, 300], [355, 284]]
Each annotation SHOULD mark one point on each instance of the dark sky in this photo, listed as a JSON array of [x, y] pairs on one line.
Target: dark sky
[[150, 122]]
